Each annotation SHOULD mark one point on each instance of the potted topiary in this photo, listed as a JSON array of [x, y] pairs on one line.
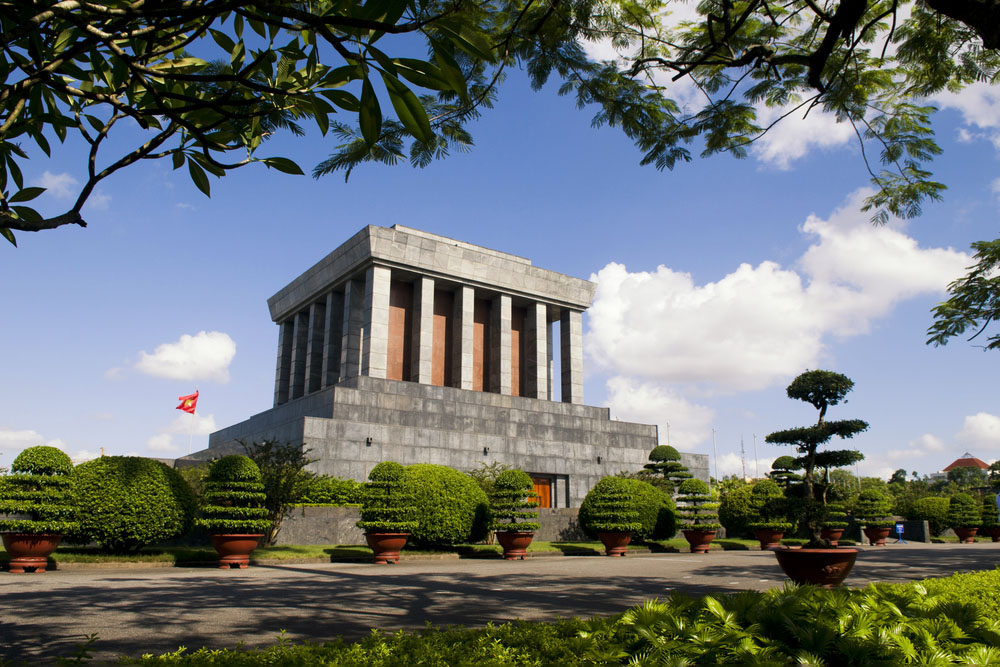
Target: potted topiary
[[873, 510], [818, 562], [964, 517], [512, 506], [665, 466], [35, 507], [698, 511], [835, 523], [990, 517], [770, 521], [234, 514], [387, 513], [609, 511]]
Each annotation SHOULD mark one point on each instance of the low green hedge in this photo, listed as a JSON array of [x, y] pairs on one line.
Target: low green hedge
[[450, 506], [937, 621]]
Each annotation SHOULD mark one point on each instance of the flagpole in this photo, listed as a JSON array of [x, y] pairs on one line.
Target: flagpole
[[191, 430]]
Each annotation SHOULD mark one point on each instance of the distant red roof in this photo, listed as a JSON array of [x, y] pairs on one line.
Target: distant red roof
[[967, 461]]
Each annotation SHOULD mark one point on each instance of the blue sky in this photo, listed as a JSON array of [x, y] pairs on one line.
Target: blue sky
[[718, 283]]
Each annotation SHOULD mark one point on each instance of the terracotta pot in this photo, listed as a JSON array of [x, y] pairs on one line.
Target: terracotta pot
[[234, 549], [699, 540], [768, 538], [820, 567], [386, 546], [615, 543], [877, 535], [994, 533], [30, 550], [833, 535], [966, 535], [514, 543]]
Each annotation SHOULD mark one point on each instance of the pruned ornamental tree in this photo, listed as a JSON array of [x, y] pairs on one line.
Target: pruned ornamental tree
[[283, 473], [203, 83], [821, 389], [783, 471], [665, 469]]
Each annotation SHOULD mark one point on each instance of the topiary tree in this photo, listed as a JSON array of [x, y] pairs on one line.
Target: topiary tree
[[512, 504], [874, 509], [989, 515], [35, 497], [963, 511], [451, 508], [782, 471], [770, 507], [387, 503], [821, 389], [933, 510], [128, 502], [234, 497], [665, 463], [284, 475], [610, 507], [697, 508]]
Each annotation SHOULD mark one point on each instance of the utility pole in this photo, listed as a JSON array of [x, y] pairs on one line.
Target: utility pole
[[743, 457], [756, 464], [715, 450]]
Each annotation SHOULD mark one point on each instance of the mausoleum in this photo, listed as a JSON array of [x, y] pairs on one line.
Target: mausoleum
[[407, 346]]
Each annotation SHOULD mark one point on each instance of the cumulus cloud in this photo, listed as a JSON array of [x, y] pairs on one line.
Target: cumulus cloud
[[980, 435], [61, 186], [204, 356], [760, 325], [162, 442], [793, 137], [22, 439], [197, 424], [927, 449], [679, 421], [732, 463]]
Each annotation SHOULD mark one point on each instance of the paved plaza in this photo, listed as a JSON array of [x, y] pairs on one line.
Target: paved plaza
[[158, 609]]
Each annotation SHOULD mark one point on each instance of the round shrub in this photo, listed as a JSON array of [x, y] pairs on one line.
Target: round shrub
[[42, 460], [234, 498], [990, 515], [512, 502], [387, 504], [610, 507], [874, 509], [35, 498], [657, 514], [698, 510], [451, 508], [933, 510], [963, 511], [737, 511], [128, 502], [770, 506]]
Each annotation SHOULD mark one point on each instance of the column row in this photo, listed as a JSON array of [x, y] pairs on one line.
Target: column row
[[415, 331]]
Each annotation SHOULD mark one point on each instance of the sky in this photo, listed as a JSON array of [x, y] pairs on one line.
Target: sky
[[717, 283]]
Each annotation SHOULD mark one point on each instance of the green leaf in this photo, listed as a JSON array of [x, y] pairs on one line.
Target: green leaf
[[26, 194], [473, 42], [451, 71], [26, 213], [411, 112], [199, 177], [342, 99], [283, 165], [178, 159], [9, 235], [370, 115], [223, 40], [422, 73]]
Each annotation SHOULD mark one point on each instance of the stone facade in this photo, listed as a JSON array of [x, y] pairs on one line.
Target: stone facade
[[406, 346]]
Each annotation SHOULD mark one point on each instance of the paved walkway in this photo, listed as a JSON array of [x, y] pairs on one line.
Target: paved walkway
[[158, 609]]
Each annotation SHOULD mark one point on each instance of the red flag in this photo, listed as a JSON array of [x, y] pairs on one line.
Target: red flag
[[188, 402]]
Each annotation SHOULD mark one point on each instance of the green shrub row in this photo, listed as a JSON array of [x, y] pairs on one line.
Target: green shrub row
[[937, 621]]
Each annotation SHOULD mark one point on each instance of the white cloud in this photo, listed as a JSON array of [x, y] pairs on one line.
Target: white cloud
[[680, 422], [162, 442], [995, 186], [61, 186], [794, 136], [980, 435], [22, 439], [82, 455], [203, 425], [114, 373], [758, 326], [204, 356], [979, 104], [98, 201], [732, 463]]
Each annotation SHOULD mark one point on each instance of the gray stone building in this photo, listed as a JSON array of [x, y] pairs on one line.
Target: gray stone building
[[407, 346]]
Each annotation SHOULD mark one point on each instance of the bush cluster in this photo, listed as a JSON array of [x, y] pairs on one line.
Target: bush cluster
[[128, 502], [610, 507], [387, 504], [697, 508], [234, 498], [512, 502], [737, 510], [451, 508], [326, 490], [963, 511], [933, 510], [990, 515], [35, 497], [874, 509], [771, 507]]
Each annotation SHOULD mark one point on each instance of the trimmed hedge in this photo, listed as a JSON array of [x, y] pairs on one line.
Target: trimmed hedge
[[610, 507], [387, 503], [698, 510], [325, 490], [451, 508], [128, 502], [963, 511], [235, 498], [36, 496], [933, 510], [737, 510], [990, 515], [874, 509], [512, 502]]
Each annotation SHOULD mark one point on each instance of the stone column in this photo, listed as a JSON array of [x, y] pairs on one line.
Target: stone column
[[500, 345], [300, 342], [571, 355], [465, 309], [350, 349], [333, 335], [551, 361], [537, 352], [375, 339], [283, 370], [421, 363], [314, 346]]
